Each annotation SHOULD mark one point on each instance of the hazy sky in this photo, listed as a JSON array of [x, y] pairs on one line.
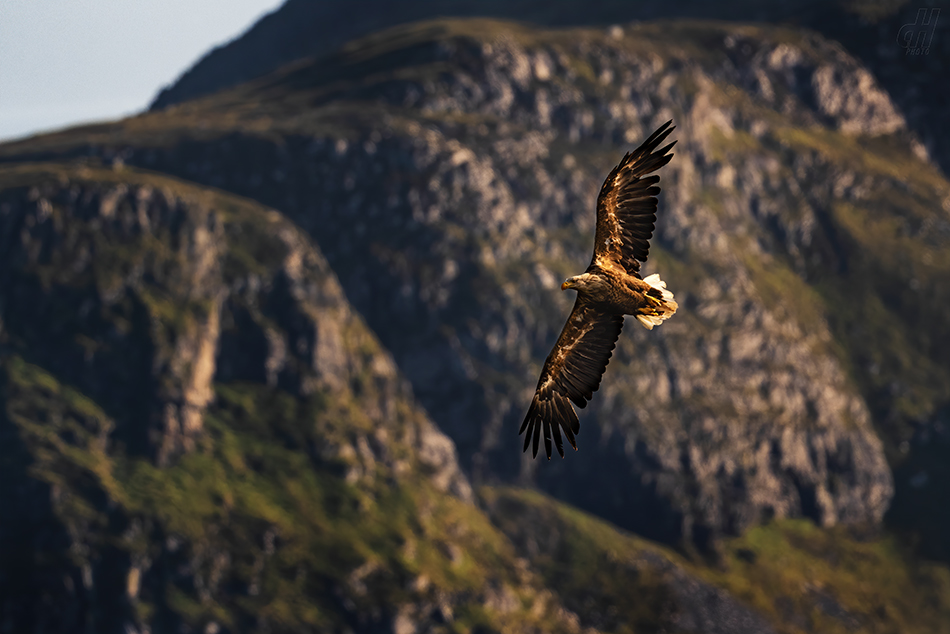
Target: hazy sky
[[70, 61]]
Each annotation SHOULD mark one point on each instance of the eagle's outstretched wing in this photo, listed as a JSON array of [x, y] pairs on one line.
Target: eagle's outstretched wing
[[626, 207], [571, 372]]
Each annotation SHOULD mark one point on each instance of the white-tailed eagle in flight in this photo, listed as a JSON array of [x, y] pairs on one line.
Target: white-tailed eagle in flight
[[610, 288]]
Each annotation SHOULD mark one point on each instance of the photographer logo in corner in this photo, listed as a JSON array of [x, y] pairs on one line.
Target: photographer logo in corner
[[916, 37]]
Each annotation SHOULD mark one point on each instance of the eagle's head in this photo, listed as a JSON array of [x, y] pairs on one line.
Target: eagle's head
[[583, 283]]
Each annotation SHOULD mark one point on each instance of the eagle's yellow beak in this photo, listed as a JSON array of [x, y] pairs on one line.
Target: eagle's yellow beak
[[566, 285]]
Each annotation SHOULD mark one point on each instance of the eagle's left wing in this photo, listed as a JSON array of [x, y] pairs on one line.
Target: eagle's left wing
[[571, 372]]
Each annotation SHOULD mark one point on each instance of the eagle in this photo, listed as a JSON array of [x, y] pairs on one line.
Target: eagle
[[610, 288]]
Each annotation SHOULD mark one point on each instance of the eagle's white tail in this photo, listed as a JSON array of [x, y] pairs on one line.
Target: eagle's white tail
[[663, 306]]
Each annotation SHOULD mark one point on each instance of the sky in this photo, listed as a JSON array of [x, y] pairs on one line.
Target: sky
[[64, 62]]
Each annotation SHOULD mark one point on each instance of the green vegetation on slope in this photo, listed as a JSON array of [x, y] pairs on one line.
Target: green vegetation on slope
[[292, 512], [834, 580], [586, 561], [272, 531], [276, 534], [801, 577]]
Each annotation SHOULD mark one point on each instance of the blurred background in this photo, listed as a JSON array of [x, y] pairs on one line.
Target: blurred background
[[270, 322]]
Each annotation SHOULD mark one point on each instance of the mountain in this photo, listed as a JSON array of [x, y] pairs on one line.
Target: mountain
[[869, 29], [227, 325], [305, 28]]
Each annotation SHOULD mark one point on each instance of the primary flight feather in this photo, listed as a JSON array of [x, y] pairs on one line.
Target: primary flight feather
[[610, 288]]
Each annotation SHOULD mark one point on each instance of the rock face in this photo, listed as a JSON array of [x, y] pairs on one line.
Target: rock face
[[450, 223], [451, 203], [142, 293], [72, 246], [870, 31]]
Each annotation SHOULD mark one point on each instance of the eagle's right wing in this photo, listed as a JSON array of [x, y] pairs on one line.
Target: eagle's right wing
[[626, 206], [572, 372]]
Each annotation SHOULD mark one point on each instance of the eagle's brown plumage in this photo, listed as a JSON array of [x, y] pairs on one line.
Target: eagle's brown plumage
[[626, 207], [609, 289]]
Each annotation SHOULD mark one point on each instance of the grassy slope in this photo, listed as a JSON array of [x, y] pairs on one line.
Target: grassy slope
[[803, 578], [252, 479]]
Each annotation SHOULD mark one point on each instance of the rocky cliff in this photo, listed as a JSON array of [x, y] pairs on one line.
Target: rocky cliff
[[911, 72], [149, 323], [447, 172], [450, 203]]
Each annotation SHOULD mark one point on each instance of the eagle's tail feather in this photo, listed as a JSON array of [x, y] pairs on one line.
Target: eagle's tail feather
[[662, 304]]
